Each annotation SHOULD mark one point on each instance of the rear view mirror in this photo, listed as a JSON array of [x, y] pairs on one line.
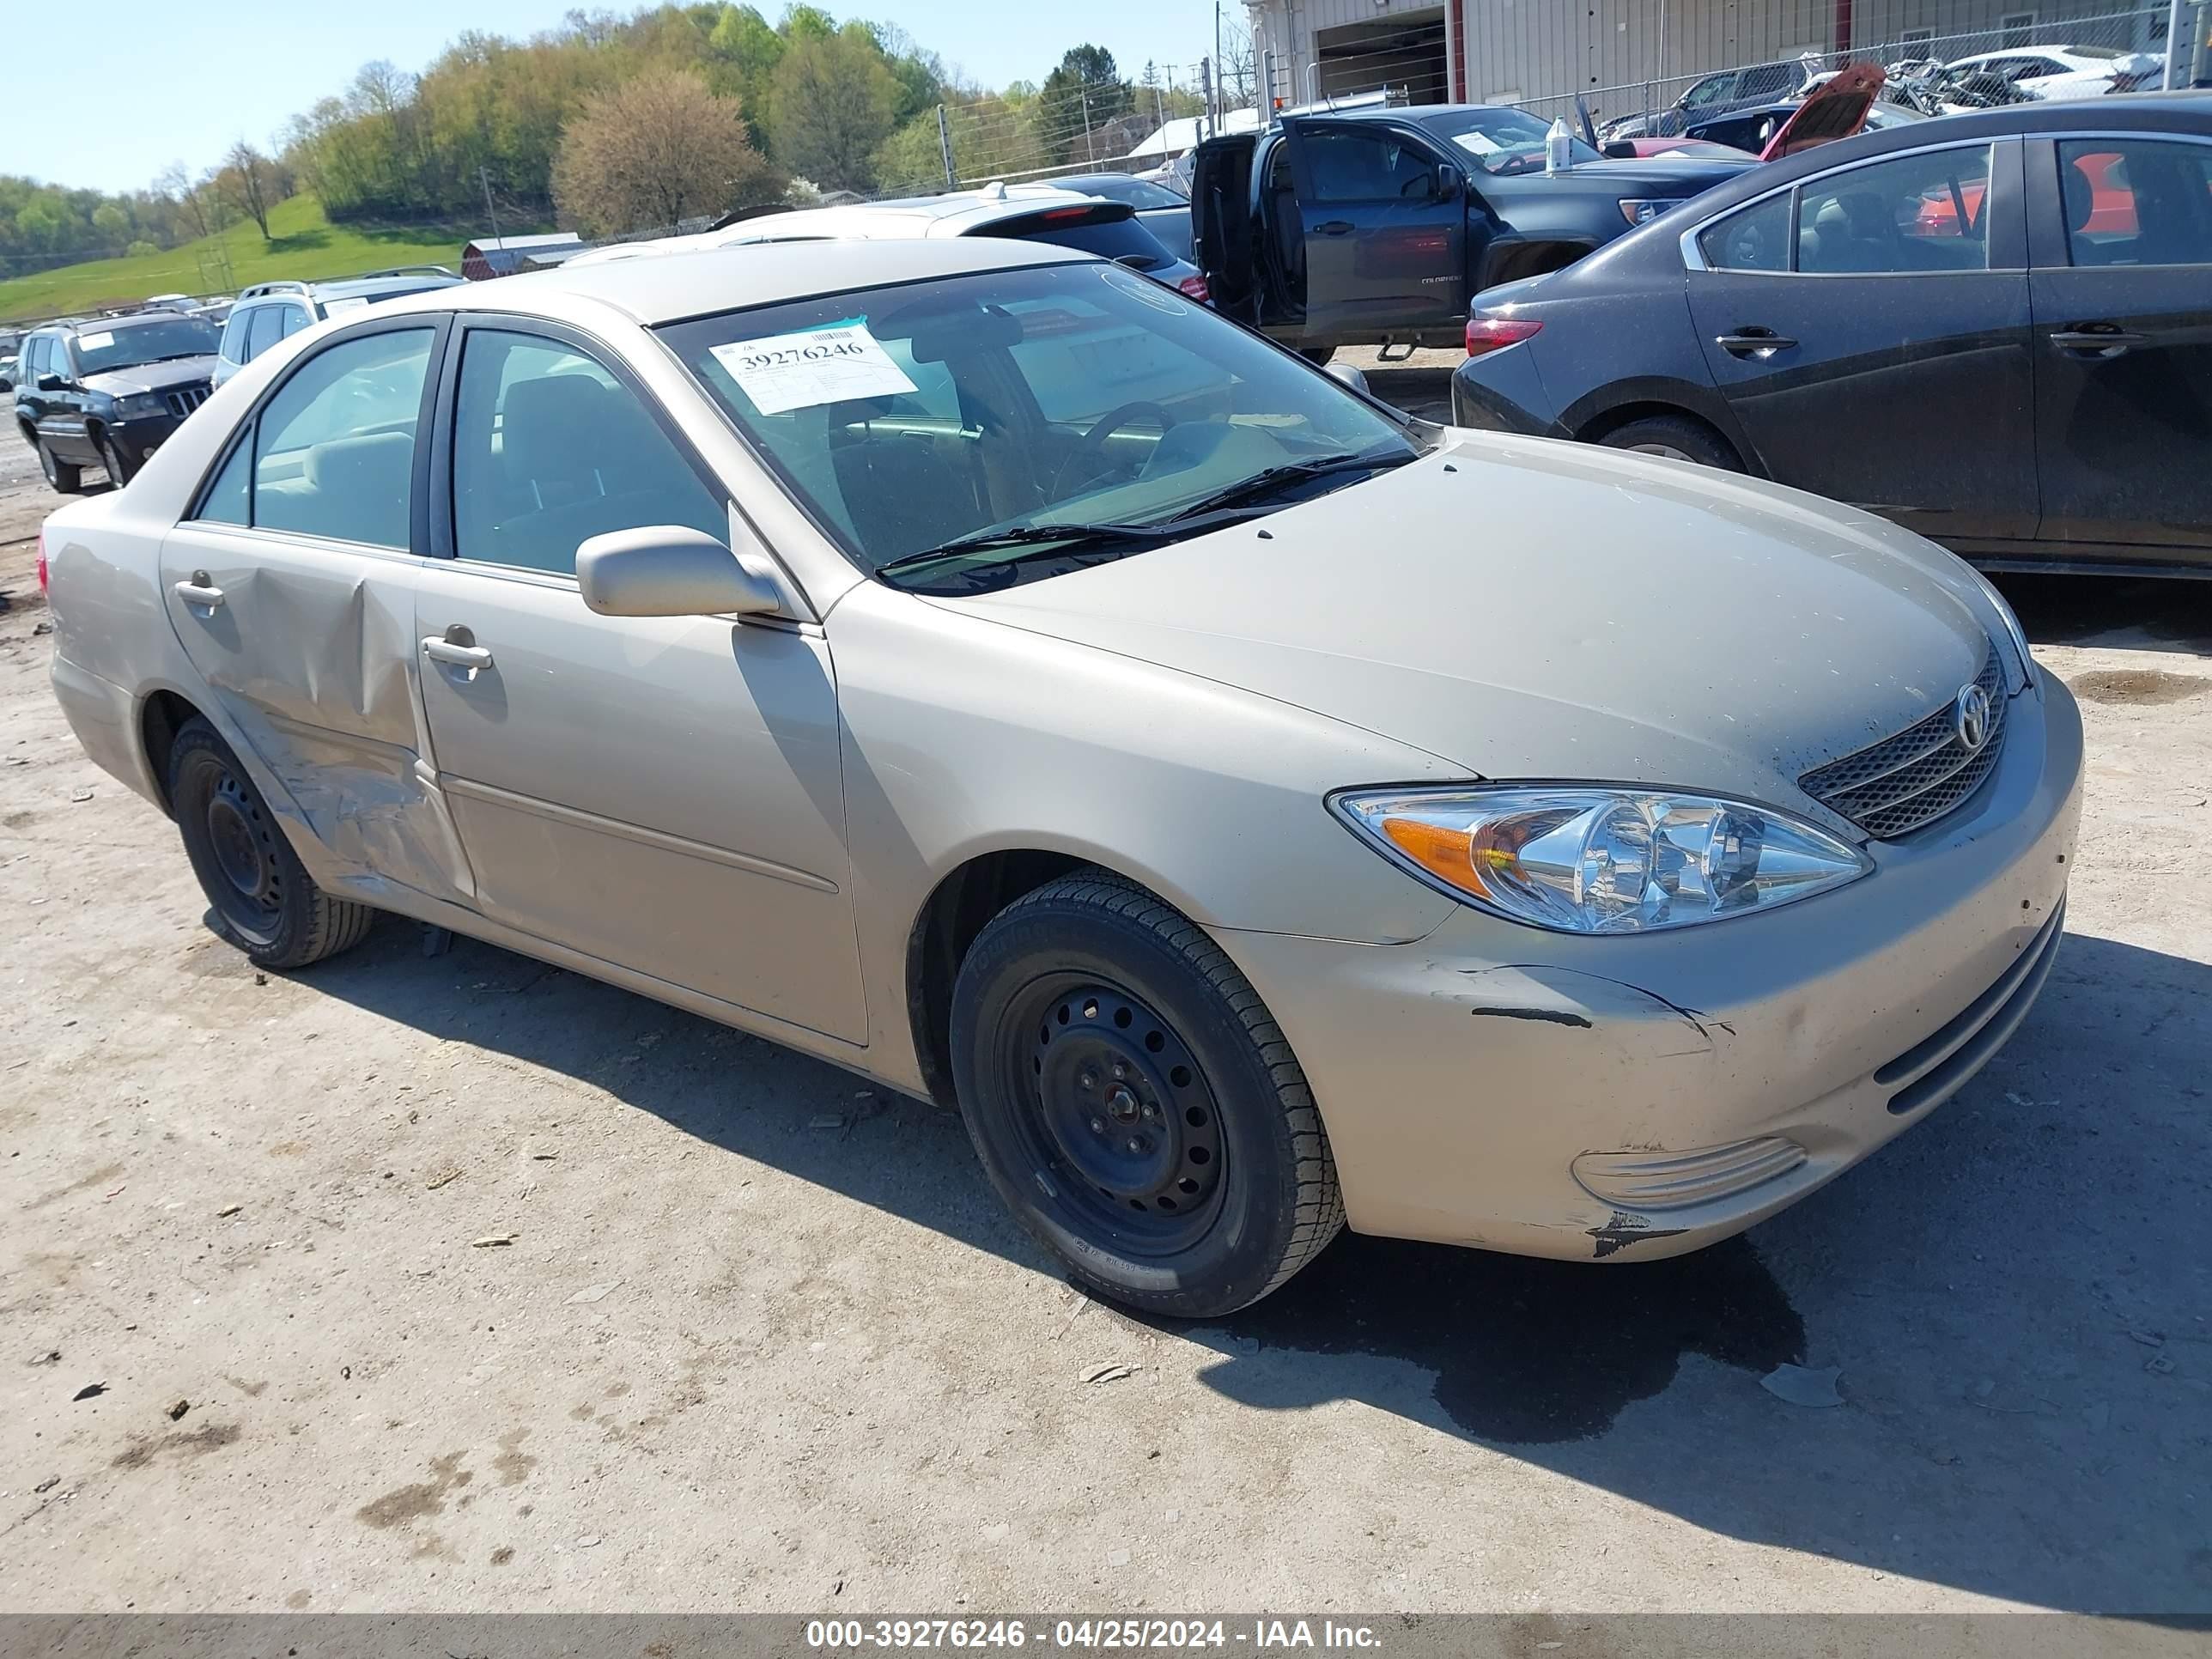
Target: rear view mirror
[[52, 383], [669, 570], [1350, 376], [1448, 181]]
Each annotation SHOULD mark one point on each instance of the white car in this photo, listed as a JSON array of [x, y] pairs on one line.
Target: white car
[[2060, 71], [1027, 213]]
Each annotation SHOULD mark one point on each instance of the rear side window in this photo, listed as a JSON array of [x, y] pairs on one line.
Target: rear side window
[[334, 450], [1756, 239], [2136, 202], [549, 450], [266, 328], [1918, 213], [1124, 239], [234, 335]]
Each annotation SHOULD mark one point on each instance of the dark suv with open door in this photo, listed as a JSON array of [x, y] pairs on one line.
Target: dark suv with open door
[[1379, 225]]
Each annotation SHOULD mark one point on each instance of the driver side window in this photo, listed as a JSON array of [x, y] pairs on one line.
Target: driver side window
[[1367, 166]]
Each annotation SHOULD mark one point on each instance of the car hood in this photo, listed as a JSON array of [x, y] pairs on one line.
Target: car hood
[[1525, 609], [151, 377], [1651, 175]]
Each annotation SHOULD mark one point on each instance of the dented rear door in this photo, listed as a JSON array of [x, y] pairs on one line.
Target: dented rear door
[[291, 586]]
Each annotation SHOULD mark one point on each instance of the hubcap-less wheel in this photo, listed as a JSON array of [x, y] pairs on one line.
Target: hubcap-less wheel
[[244, 853], [1124, 1120]]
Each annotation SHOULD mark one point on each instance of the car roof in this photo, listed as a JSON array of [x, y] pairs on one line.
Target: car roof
[[127, 319], [351, 286], [961, 213], [665, 290]]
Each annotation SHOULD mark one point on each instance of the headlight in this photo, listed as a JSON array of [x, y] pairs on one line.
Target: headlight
[[1582, 859], [140, 402], [1640, 209]]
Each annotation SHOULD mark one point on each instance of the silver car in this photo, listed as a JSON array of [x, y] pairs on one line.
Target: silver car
[[980, 667]]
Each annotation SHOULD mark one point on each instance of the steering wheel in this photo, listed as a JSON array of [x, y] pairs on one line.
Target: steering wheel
[[1091, 445]]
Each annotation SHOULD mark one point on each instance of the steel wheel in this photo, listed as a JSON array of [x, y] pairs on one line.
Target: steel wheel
[[243, 843], [1120, 1114]]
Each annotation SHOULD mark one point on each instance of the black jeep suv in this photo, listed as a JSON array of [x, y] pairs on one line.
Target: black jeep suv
[[106, 392]]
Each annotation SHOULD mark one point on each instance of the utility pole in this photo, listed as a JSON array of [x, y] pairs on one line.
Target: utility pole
[[1084, 93], [1221, 89], [1205, 95], [944, 148], [483, 177], [2173, 46]]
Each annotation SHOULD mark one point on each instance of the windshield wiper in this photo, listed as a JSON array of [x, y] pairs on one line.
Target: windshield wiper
[[1271, 480], [1064, 537]]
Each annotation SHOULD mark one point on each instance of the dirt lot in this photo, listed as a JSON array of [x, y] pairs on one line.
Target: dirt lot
[[762, 1340]]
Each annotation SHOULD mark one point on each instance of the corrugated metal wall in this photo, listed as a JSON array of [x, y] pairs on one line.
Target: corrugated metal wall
[[1628, 51]]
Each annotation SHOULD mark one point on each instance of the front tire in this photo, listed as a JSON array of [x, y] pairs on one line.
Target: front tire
[[264, 899], [1317, 355], [1134, 1103], [66, 476], [111, 457]]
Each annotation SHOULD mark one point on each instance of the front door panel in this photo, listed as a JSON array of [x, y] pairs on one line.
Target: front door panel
[[1385, 253], [661, 793]]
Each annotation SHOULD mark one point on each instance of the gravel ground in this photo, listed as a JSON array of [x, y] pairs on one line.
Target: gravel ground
[[759, 1338]]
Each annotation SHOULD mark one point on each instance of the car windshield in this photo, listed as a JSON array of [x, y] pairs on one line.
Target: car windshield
[[1045, 418], [99, 350], [1502, 140]]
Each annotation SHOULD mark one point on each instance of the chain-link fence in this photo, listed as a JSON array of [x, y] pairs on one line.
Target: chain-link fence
[[2110, 51]]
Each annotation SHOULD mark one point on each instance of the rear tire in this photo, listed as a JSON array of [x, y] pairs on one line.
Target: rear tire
[[1317, 355], [118, 470], [66, 476], [1676, 437], [264, 899], [1134, 1103]]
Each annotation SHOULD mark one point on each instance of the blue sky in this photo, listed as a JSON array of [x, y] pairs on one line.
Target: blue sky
[[162, 82]]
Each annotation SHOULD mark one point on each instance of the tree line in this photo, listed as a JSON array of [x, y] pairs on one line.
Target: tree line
[[613, 124]]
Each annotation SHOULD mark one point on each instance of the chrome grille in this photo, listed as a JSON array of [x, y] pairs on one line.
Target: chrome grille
[[184, 399], [1894, 786]]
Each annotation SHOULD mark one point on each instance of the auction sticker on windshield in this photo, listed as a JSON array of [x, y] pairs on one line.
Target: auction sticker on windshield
[[94, 342], [784, 371]]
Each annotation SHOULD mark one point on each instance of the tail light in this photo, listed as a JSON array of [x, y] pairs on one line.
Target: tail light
[[1486, 334], [42, 560], [1195, 287]]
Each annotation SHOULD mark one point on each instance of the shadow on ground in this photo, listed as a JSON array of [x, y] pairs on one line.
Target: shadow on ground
[[2174, 614], [2014, 1291]]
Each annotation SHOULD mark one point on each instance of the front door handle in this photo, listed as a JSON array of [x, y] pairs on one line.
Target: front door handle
[[2097, 340], [200, 591], [1753, 342], [462, 653], [1333, 227]]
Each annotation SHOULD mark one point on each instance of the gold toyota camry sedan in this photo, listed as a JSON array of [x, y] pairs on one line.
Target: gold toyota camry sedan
[[986, 669]]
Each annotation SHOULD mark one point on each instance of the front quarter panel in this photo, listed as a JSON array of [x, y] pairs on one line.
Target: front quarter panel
[[963, 736]]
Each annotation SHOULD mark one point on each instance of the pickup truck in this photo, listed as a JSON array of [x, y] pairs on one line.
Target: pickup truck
[[1379, 225]]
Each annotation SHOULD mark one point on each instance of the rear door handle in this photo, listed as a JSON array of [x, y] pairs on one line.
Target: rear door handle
[[200, 591], [2097, 340], [1753, 342], [454, 655], [1333, 227]]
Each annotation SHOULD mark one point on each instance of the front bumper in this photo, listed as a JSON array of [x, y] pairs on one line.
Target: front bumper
[[1499, 1085], [141, 435]]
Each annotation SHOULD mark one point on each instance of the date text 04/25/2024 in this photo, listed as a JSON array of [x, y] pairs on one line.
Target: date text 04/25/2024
[[1258, 1636]]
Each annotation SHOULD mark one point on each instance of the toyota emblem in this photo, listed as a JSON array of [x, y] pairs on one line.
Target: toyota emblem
[[1970, 717]]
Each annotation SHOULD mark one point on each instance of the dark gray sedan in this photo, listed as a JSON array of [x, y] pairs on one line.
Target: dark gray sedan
[[1994, 329]]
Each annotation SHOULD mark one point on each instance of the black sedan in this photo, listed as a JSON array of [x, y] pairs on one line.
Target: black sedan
[[1994, 329]]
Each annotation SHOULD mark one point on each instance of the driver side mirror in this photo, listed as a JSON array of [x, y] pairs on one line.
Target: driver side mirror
[[669, 570], [1348, 374], [52, 383], [1449, 181]]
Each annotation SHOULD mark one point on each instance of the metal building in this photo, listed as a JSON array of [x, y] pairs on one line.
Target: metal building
[[1621, 53]]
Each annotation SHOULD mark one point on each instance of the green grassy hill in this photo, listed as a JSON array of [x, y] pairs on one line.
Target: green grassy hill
[[302, 243]]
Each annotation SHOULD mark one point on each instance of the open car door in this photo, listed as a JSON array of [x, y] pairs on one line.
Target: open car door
[[1836, 110], [1221, 231]]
